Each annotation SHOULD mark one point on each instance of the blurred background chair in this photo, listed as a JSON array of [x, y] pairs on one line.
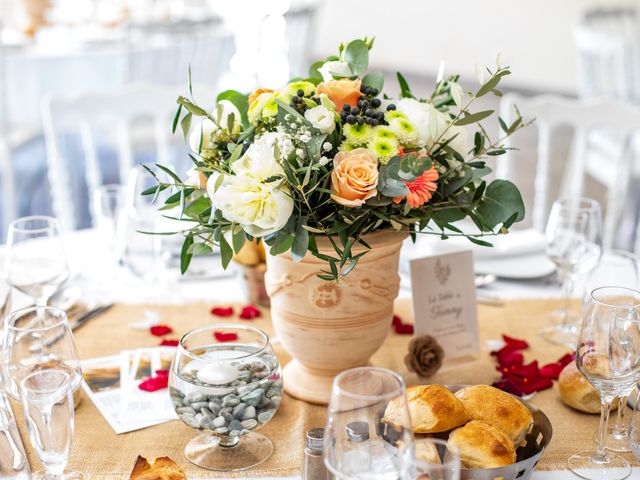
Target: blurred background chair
[[614, 171], [131, 125]]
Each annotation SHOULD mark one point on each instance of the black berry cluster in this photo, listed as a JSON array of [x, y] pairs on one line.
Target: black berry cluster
[[364, 112], [298, 104]]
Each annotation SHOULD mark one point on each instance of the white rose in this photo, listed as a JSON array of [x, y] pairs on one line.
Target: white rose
[[245, 198], [335, 68], [321, 118], [206, 131], [260, 208], [431, 123]]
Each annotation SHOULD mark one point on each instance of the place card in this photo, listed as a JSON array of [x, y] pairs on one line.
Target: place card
[[444, 303]]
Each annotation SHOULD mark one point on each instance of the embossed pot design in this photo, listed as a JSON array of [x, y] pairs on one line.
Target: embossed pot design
[[328, 328]]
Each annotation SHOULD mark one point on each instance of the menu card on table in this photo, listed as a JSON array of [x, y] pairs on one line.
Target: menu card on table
[[444, 303]]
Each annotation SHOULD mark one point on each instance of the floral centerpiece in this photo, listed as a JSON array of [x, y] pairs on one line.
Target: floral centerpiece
[[328, 164]]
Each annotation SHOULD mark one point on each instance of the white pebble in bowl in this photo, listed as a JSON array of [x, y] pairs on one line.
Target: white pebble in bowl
[[218, 374]]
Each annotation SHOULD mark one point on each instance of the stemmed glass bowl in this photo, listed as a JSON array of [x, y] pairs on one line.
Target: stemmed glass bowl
[[225, 382]]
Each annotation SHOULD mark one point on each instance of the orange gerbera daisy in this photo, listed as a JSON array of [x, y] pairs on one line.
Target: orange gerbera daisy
[[421, 189]]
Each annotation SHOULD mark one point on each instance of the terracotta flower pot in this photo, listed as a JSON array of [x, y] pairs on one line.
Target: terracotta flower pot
[[328, 328]]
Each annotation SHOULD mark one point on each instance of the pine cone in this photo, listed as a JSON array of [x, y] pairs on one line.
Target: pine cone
[[425, 356]]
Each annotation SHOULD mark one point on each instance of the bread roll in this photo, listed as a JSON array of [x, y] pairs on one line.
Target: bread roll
[[482, 446], [162, 468], [577, 392], [497, 408], [433, 408], [426, 451]]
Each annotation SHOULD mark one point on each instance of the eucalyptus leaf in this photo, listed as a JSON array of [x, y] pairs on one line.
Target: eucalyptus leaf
[[226, 252], [185, 255], [500, 202], [357, 56], [374, 79], [473, 117]]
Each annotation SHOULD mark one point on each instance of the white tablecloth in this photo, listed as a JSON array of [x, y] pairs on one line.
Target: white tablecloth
[[89, 262]]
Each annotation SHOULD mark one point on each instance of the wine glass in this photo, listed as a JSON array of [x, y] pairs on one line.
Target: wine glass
[[225, 382], [619, 268], [47, 397], [574, 244], [358, 442], [36, 259], [442, 460], [110, 201], [37, 339], [608, 355]]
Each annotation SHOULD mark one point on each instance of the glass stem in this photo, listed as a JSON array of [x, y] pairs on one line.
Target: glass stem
[[567, 290], [600, 455], [620, 427]]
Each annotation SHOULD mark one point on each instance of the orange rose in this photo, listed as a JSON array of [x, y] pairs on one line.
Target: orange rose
[[254, 96], [341, 92], [354, 178]]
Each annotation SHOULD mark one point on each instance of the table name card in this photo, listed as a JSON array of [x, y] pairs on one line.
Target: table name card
[[444, 302]]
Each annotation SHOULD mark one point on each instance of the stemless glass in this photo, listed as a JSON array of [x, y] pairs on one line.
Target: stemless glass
[[37, 339], [358, 444], [110, 201], [439, 460], [225, 381], [608, 355], [48, 411], [574, 244], [36, 259], [619, 268]]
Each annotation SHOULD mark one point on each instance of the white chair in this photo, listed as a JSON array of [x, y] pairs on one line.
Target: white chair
[[91, 113], [161, 52], [587, 118]]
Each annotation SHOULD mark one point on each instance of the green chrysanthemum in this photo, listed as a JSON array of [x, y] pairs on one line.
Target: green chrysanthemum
[[346, 147], [383, 148], [383, 133], [259, 108], [404, 130], [357, 134], [391, 114]]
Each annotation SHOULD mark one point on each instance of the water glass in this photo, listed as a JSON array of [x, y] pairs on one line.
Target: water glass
[[37, 339], [358, 443], [439, 461], [608, 355], [47, 399], [36, 258], [619, 268], [110, 202], [574, 244]]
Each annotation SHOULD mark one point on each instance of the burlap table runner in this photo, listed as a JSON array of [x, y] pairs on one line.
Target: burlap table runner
[[100, 453]]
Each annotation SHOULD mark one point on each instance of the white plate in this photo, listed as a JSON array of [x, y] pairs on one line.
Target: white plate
[[520, 267]]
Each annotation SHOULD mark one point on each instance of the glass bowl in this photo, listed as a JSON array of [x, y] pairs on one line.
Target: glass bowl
[[225, 382]]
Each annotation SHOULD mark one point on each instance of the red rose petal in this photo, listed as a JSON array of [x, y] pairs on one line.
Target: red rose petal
[[508, 386], [536, 385], [515, 343], [509, 358], [403, 329], [396, 320], [567, 359], [551, 370], [529, 371], [154, 383], [225, 337], [161, 373], [249, 313], [169, 343], [160, 330], [222, 311]]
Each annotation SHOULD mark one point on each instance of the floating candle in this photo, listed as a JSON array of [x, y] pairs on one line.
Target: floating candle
[[218, 373]]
